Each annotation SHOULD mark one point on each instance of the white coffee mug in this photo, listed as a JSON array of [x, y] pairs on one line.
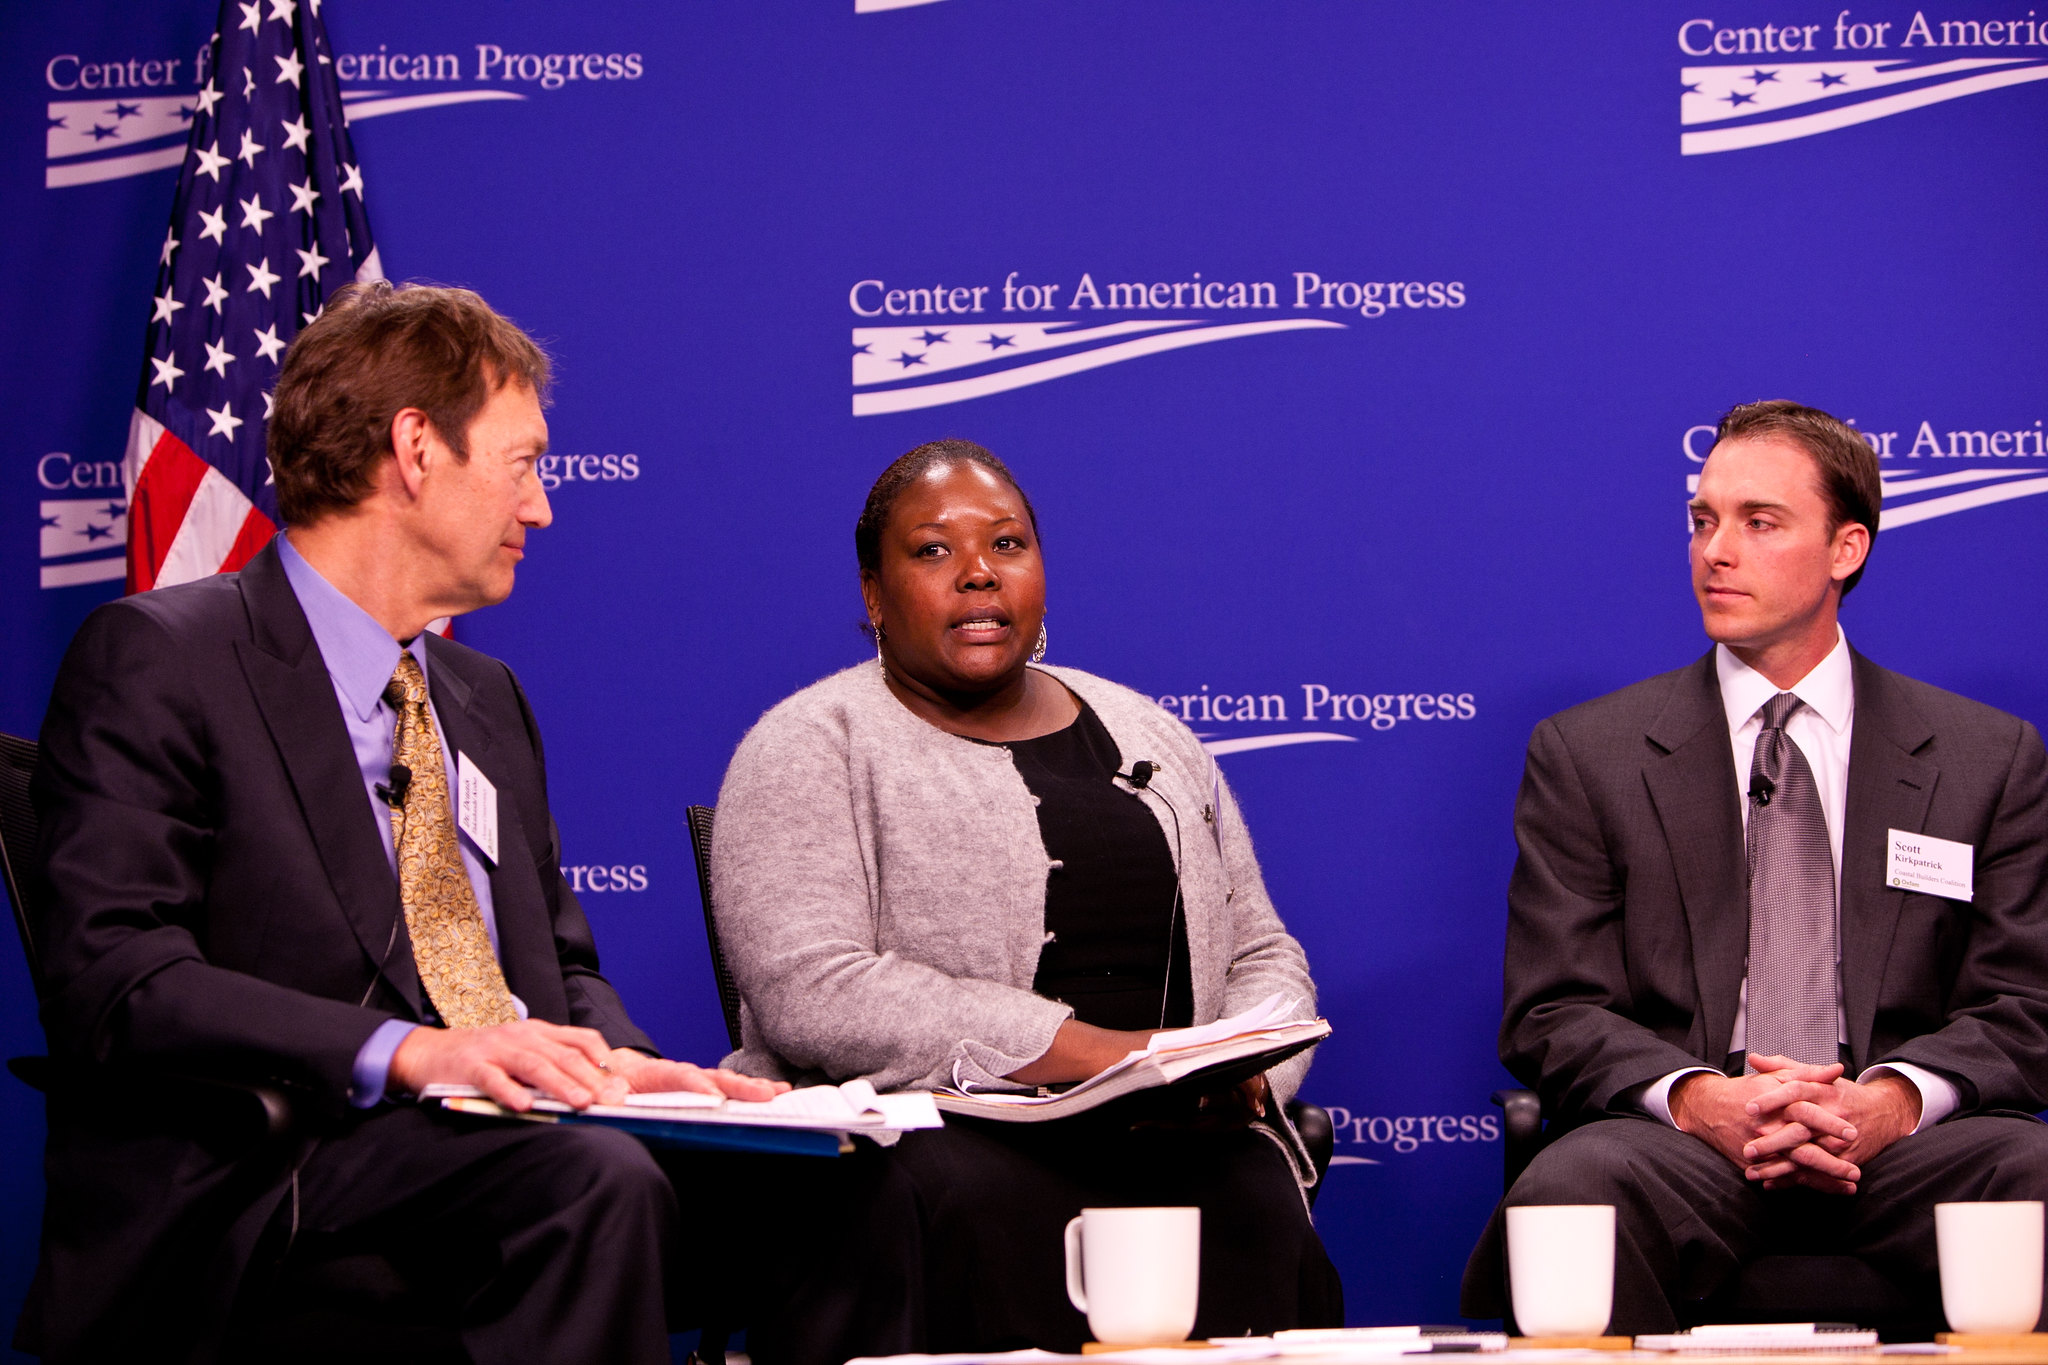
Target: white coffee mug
[[1990, 1264], [1561, 1268], [1136, 1273]]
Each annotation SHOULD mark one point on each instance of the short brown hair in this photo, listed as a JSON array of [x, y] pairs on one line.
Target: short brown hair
[[375, 350], [1846, 464]]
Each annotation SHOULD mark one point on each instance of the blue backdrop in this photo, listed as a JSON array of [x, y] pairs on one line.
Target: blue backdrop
[[1356, 357]]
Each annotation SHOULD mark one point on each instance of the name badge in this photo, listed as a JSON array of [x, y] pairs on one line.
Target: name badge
[[476, 807], [1921, 862]]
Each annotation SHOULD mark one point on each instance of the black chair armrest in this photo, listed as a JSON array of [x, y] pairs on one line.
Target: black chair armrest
[[241, 1114], [1521, 1132], [1312, 1121]]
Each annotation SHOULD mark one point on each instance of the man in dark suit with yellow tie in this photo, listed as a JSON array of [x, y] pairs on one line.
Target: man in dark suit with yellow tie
[[292, 836], [1777, 947]]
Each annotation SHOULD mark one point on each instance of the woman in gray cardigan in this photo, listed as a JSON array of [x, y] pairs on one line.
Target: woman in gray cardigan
[[930, 870]]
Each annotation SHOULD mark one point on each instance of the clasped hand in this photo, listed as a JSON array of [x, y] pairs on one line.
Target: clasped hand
[[1796, 1124], [575, 1065]]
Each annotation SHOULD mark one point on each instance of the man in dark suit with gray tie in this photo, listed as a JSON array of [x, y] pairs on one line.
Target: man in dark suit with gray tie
[[1777, 951], [291, 836]]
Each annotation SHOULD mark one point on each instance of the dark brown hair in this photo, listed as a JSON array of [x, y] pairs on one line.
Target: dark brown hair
[[1846, 464], [907, 469], [375, 350]]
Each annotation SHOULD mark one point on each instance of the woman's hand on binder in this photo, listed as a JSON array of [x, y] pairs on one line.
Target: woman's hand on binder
[[1079, 1051], [1235, 1107]]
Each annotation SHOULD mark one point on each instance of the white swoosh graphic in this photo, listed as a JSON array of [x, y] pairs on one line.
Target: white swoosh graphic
[[141, 163], [358, 110], [114, 168], [1353, 1161], [875, 6], [1220, 747], [1758, 135], [960, 390], [1892, 518], [1909, 484]]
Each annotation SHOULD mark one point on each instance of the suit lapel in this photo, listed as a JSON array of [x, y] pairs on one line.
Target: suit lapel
[[526, 947], [289, 680], [1889, 788], [1691, 781]]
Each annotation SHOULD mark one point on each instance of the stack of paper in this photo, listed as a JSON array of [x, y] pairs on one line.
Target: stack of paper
[[687, 1118], [1760, 1338], [1212, 1056]]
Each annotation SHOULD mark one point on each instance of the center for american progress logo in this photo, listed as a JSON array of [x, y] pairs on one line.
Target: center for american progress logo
[[986, 338], [1799, 80], [110, 119]]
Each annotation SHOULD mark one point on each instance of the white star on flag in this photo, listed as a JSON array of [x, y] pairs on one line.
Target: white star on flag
[[283, 9], [352, 180], [304, 196], [210, 159], [254, 215], [167, 372], [289, 68], [218, 358], [208, 97], [252, 16], [250, 146], [310, 262], [216, 224], [224, 421], [165, 306], [261, 278], [216, 292], [170, 245], [295, 134], [268, 345]]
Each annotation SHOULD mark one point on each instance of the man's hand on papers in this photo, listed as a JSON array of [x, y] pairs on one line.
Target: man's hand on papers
[[575, 1065], [645, 1074], [503, 1060], [1850, 1124], [1723, 1112]]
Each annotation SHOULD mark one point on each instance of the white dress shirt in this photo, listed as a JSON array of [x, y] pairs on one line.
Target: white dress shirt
[[1821, 729]]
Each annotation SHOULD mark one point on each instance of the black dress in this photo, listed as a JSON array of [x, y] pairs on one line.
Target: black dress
[[951, 1240], [1116, 945]]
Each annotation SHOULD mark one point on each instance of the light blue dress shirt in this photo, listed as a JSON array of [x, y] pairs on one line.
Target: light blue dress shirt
[[361, 656]]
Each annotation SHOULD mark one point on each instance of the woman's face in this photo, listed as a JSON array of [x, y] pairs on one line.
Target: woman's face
[[960, 590]]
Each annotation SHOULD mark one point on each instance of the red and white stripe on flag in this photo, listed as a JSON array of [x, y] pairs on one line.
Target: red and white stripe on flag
[[185, 520]]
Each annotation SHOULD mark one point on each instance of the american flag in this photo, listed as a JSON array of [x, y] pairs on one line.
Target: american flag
[[268, 221]]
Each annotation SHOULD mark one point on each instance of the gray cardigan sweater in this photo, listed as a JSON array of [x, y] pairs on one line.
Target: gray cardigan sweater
[[880, 890]]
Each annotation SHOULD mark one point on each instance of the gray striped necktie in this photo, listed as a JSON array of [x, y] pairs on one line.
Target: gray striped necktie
[[1792, 976]]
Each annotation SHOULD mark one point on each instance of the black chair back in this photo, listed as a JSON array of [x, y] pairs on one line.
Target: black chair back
[[700, 819], [18, 840]]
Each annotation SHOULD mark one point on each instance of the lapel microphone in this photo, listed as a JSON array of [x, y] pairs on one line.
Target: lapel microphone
[[1760, 789], [1140, 778], [393, 793]]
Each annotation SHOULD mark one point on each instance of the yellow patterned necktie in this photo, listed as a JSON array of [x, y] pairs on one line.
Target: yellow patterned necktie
[[450, 945]]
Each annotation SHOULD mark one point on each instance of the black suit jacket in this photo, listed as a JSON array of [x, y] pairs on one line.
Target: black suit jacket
[[1628, 918], [217, 901]]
